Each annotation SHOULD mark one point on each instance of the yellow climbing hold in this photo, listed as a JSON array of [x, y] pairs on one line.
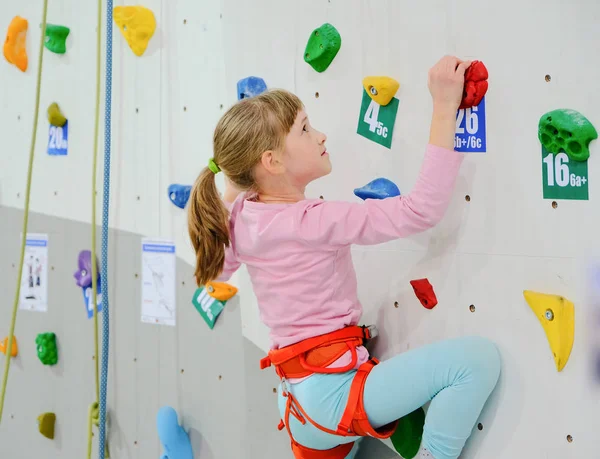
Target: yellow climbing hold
[[15, 50], [221, 291], [557, 316], [14, 350], [381, 89], [46, 423], [55, 116], [137, 24]]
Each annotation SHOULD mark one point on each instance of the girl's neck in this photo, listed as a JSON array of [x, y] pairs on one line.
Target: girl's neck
[[279, 198]]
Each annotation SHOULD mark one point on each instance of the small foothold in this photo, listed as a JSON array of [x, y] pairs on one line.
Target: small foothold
[[322, 47], [46, 422], [567, 130], [475, 85], [424, 291], [56, 38], [174, 439], [137, 24], [208, 306], [381, 89], [250, 86], [55, 116], [179, 194], [221, 290], [14, 350], [409, 433], [556, 314], [46, 348], [380, 188], [15, 49]]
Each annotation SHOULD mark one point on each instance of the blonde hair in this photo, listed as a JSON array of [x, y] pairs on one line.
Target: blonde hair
[[248, 129]]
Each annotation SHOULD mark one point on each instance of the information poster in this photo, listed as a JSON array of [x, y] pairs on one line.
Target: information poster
[[158, 282], [58, 140], [376, 122], [34, 277], [563, 178]]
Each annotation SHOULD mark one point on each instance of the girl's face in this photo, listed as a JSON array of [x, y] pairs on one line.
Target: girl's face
[[305, 156]]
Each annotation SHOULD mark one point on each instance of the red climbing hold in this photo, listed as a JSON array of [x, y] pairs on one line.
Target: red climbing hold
[[424, 291], [476, 85]]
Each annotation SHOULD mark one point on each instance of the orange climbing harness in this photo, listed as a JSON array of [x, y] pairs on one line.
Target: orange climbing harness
[[313, 355]]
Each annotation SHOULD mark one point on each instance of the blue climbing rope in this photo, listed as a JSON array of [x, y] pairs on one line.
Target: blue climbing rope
[[105, 208]]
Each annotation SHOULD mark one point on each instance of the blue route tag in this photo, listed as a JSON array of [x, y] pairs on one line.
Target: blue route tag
[[58, 140], [470, 134], [87, 299]]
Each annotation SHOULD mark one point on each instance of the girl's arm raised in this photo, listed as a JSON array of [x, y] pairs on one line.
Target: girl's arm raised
[[337, 224]]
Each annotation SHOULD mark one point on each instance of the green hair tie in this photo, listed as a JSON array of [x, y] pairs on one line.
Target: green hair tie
[[213, 166]]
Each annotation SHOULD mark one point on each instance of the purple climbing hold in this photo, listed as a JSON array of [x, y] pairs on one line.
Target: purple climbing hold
[[250, 87], [379, 188], [83, 275], [179, 194]]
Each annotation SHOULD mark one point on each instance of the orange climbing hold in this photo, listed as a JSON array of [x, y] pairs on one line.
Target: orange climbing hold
[[221, 291], [15, 50], [4, 347]]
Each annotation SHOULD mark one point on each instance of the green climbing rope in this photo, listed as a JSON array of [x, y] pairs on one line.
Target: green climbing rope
[[93, 412], [26, 210]]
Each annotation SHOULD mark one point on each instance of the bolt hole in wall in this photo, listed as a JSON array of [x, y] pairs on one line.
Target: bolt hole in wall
[[548, 78], [480, 426], [569, 439], [472, 308], [396, 304], [554, 204], [317, 94], [467, 198]]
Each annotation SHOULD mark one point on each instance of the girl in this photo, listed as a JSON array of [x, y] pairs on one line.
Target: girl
[[297, 252]]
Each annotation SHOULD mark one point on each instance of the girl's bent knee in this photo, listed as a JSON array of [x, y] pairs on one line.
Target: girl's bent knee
[[487, 362]]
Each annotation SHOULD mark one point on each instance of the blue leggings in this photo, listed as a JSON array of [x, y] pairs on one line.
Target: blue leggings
[[456, 375]]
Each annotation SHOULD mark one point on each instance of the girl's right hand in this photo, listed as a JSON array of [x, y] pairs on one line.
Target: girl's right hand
[[446, 81]]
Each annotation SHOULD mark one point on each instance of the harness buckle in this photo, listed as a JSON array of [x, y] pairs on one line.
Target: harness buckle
[[372, 331]]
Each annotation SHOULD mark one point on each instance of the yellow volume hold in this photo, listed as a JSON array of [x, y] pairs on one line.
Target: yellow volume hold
[[557, 316], [137, 24], [381, 89]]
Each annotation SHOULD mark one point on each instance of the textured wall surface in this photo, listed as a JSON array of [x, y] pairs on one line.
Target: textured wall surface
[[503, 239]]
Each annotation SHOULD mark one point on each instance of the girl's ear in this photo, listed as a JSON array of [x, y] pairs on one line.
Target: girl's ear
[[272, 163]]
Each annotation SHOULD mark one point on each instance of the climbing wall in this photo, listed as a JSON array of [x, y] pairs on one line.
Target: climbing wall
[[505, 231]]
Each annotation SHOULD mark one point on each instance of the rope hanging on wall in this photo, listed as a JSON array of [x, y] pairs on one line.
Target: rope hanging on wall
[[105, 208], [26, 210], [93, 411]]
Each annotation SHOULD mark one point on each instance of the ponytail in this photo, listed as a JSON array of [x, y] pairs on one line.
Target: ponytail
[[208, 227]]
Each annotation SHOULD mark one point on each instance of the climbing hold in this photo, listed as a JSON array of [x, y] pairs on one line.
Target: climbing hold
[[250, 86], [179, 194], [408, 434], [208, 307], [55, 116], [380, 188], [15, 50], [56, 38], [475, 85], [424, 291], [381, 89], [557, 316], [46, 422], [14, 350], [137, 24], [322, 47], [221, 290], [46, 348], [83, 275], [567, 130], [174, 439]]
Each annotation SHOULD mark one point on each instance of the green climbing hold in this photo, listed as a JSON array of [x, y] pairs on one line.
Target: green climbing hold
[[56, 38], [46, 348], [407, 436], [322, 47], [567, 130]]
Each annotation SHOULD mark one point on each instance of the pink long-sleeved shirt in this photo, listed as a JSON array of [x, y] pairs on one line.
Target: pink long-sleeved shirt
[[298, 254]]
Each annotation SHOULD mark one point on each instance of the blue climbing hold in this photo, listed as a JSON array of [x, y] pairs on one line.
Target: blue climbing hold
[[250, 87], [179, 194], [175, 441], [379, 188]]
